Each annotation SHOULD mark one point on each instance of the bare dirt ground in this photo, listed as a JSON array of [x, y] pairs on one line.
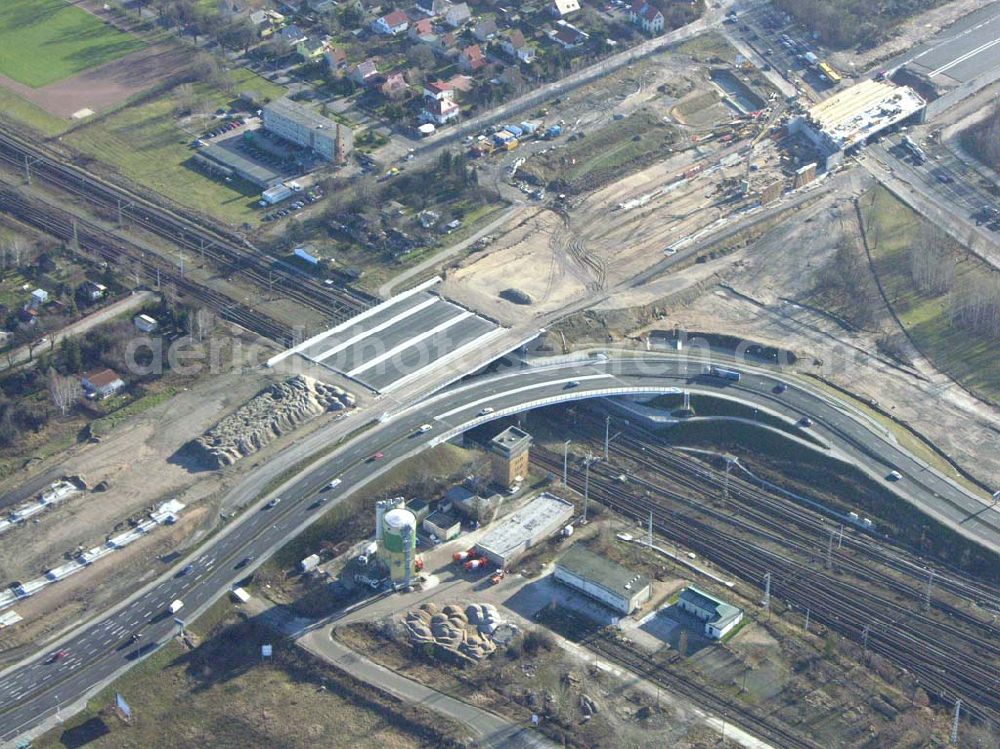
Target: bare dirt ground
[[754, 293], [108, 85], [144, 464], [594, 246], [908, 35]]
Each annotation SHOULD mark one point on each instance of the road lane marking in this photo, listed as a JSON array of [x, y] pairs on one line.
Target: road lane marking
[[522, 389]]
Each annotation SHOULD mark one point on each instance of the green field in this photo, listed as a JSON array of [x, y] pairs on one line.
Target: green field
[[962, 354], [44, 41], [145, 143]]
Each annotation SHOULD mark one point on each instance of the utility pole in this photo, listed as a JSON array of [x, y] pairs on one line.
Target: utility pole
[[864, 639], [650, 530], [954, 721], [767, 593], [927, 595], [607, 432], [725, 481], [829, 548], [76, 236], [565, 460], [586, 485], [687, 400], [840, 538], [808, 611], [180, 258]]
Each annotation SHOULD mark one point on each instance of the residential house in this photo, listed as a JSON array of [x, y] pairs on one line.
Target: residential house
[[568, 37], [336, 58], [395, 86], [433, 8], [364, 72], [460, 82], [261, 21], [485, 30], [312, 49], [563, 8], [38, 298], [648, 17], [471, 59], [439, 103], [457, 15], [93, 291], [102, 383], [515, 45], [293, 35], [391, 24], [421, 28], [444, 45]]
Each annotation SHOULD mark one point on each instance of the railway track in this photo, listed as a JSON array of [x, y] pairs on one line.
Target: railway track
[[92, 239], [230, 252], [761, 726], [949, 663]]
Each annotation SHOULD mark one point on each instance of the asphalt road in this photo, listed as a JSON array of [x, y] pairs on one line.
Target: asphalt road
[[33, 691], [961, 52]]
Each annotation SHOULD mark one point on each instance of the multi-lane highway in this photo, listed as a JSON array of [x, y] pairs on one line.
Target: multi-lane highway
[[33, 691]]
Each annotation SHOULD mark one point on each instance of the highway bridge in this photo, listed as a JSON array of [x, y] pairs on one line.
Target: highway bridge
[[33, 692]]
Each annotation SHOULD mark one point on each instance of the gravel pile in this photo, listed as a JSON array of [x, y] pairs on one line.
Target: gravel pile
[[274, 412], [450, 629]]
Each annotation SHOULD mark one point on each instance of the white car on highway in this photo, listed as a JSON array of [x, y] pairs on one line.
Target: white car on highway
[[333, 484]]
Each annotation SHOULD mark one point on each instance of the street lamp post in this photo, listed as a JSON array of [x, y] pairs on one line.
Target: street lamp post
[[565, 460]]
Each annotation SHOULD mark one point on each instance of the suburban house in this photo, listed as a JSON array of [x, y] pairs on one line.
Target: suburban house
[[392, 24], [485, 30], [311, 49], [646, 16], [719, 617], [293, 35], [336, 59], [433, 7], [439, 103], [457, 15], [364, 72], [419, 29], [515, 46], [444, 45], [471, 59], [38, 298], [145, 323], [395, 86], [562, 8], [568, 37], [92, 291], [101, 383]]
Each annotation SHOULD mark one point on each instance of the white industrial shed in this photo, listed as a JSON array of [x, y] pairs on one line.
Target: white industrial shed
[[522, 529], [602, 579]]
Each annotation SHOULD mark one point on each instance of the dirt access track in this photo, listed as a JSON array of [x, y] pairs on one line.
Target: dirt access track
[[106, 86]]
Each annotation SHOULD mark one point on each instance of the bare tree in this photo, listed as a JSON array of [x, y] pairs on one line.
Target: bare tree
[[975, 306], [65, 391], [932, 266]]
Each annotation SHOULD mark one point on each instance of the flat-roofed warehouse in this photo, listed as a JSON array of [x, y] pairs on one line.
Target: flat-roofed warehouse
[[238, 165], [602, 579], [519, 531], [300, 125], [852, 116]]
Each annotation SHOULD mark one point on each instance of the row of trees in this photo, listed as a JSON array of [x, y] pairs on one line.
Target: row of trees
[[984, 139], [852, 23]]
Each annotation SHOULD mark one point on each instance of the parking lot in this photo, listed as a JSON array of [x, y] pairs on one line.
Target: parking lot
[[786, 49]]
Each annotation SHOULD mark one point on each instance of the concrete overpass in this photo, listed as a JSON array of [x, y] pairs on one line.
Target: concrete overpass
[[32, 692]]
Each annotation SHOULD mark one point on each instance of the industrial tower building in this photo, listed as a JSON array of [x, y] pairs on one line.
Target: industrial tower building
[[509, 453]]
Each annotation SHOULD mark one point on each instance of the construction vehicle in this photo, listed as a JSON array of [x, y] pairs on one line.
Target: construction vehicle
[[475, 564], [497, 577], [463, 556]]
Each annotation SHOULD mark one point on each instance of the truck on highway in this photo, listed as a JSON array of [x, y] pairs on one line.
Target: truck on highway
[[175, 606], [721, 372]]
